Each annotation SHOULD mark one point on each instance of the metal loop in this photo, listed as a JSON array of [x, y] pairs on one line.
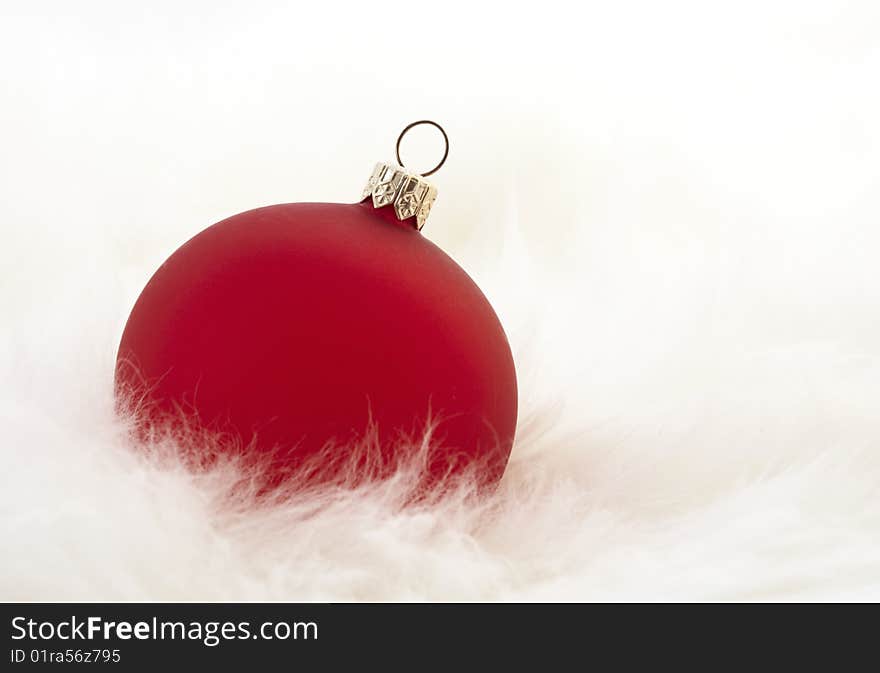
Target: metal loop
[[445, 140]]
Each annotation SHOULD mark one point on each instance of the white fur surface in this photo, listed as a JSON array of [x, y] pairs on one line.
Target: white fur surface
[[674, 207]]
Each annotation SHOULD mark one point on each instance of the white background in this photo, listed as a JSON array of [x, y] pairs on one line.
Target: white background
[[674, 207]]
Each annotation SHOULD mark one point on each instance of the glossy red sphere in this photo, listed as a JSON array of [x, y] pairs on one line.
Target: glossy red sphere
[[297, 327]]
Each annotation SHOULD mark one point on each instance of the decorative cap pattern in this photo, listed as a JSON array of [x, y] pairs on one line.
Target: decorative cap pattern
[[410, 194]]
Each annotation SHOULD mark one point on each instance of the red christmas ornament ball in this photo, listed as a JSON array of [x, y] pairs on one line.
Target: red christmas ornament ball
[[298, 329]]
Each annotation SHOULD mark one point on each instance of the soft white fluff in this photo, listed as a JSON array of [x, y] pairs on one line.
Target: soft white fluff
[[675, 208]]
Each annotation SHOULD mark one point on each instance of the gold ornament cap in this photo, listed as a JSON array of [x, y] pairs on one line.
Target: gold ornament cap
[[408, 193]]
